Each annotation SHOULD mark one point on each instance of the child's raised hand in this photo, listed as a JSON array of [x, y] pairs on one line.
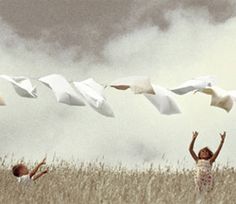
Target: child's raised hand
[[46, 171], [195, 134], [223, 136], [44, 161]]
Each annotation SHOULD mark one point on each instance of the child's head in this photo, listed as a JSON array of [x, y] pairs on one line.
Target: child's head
[[205, 153], [20, 170]]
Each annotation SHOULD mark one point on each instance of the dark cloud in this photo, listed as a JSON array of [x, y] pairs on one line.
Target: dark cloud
[[219, 10], [89, 24], [84, 23]]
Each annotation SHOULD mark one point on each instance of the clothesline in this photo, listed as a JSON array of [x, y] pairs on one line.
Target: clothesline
[[80, 93]]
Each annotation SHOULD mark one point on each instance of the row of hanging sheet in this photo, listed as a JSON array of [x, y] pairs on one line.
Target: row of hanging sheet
[[80, 93]]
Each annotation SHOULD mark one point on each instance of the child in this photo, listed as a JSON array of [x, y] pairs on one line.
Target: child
[[25, 176], [203, 177]]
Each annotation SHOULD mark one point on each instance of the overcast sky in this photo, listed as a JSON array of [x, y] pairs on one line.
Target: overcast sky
[[170, 42]]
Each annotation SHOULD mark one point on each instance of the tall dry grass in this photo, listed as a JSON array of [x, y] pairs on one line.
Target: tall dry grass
[[97, 183]]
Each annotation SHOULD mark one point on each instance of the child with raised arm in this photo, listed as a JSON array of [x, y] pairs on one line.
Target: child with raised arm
[[25, 176], [204, 160]]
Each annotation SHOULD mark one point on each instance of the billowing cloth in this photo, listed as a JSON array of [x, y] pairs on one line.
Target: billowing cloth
[[22, 86], [160, 97], [163, 100], [203, 176], [62, 90], [194, 84], [2, 102], [93, 94], [138, 84], [220, 97]]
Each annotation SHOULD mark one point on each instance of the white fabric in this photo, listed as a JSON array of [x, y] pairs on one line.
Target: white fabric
[[232, 94], [25, 179], [138, 84], [93, 93], [163, 100], [220, 97], [2, 102], [194, 84], [22, 86], [62, 90]]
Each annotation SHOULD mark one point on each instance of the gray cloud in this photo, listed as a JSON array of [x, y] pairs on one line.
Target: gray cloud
[[87, 25], [219, 11]]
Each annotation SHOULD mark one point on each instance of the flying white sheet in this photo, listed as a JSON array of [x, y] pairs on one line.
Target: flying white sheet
[[194, 84], [93, 93], [62, 90], [22, 86], [220, 97], [2, 102], [163, 100], [138, 84]]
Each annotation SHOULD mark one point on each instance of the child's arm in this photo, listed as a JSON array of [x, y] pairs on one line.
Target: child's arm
[[40, 174], [34, 171], [195, 134], [215, 155]]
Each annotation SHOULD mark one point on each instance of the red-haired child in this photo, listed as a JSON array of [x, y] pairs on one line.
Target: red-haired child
[[25, 176]]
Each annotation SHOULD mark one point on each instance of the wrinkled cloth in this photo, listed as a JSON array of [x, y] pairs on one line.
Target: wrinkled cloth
[[2, 102], [194, 84], [22, 86], [137, 84], [221, 98], [93, 94], [62, 90], [163, 100]]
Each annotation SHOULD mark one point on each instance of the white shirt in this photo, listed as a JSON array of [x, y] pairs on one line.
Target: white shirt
[[25, 179]]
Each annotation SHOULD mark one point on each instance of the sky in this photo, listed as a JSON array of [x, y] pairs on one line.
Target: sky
[[168, 41]]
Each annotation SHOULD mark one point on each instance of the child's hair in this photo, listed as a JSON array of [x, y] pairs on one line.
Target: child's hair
[[16, 169], [206, 149]]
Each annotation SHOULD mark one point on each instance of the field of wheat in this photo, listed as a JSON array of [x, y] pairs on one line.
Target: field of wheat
[[98, 183]]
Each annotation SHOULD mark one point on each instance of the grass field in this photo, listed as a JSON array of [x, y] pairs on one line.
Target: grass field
[[97, 183]]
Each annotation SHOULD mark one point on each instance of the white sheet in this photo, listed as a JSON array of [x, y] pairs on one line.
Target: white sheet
[[93, 94], [163, 100], [22, 86], [194, 84], [220, 97], [138, 84], [2, 102], [62, 90]]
